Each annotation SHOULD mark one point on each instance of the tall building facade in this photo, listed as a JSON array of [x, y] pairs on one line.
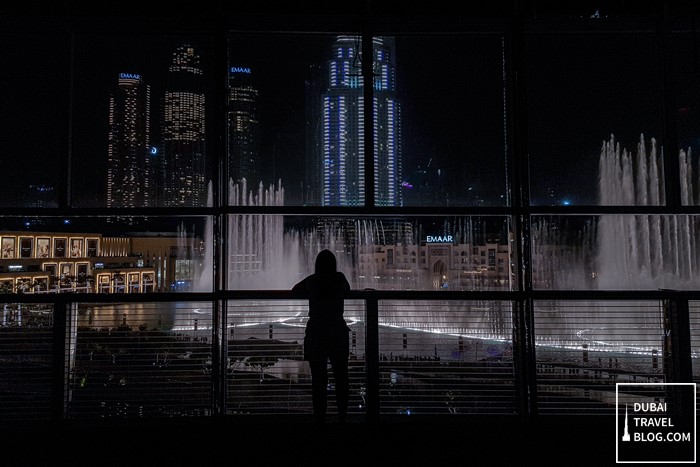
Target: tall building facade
[[184, 153], [341, 158], [129, 171], [243, 126], [314, 87]]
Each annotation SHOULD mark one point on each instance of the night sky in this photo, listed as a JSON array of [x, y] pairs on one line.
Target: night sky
[[581, 89]]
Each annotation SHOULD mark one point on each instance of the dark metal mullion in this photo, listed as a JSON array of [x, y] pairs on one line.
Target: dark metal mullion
[[219, 184], [371, 304], [677, 350], [61, 334], [523, 332], [677, 341], [217, 351], [372, 359], [59, 361]]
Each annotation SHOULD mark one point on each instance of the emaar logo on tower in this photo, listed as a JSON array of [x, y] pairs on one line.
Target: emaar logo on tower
[[238, 69], [656, 423], [129, 76]]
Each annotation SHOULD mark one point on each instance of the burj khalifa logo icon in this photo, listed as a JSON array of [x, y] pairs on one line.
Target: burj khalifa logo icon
[[626, 435]]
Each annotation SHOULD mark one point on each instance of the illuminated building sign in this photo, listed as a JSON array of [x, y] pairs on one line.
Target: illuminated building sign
[[154, 150], [129, 76], [438, 239], [237, 69]]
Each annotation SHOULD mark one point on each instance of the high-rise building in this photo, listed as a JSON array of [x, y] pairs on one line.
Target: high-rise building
[[184, 154], [343, 126], [313, 181], [129, 171], [243, 128]]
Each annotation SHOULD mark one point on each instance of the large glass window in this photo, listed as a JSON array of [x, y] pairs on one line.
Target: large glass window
[[440, 116], [106, 254], [265, 369], [585, 347], [34, 115], [139, 360], [396, 253], [445, 357], [141, 118], [686, 72], [594, 120], [295, 120], [613, 252], [215, 160]]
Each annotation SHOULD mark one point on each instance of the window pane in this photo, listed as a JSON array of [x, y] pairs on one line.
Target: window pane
[[133, 360], [440, 121], [26, 346], [34, 119], [584, 347], [686, 72], [140, 121], [106, 255], [594, 111], [417, 253], [285, 115], [446, 357], [615, 252], [266, 372]]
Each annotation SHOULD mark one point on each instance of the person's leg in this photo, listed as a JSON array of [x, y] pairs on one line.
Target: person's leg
[[319, 388], [342, 384]]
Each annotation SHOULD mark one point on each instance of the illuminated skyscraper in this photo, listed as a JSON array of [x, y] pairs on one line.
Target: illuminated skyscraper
[[129, 170], [315, 86], [343, 126], [243, 131], [184, 152]]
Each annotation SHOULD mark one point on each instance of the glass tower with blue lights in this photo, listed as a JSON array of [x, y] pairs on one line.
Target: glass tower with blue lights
[[343, 144]]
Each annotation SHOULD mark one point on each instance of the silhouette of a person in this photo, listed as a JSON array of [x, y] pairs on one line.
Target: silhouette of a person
[[326, 335]]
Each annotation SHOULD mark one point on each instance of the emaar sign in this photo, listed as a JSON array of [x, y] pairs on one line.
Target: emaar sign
[[439, 239], [129, 76], [238, 69]]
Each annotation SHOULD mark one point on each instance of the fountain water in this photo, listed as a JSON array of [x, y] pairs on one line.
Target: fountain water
[[606, 252], [613, 252], [265, 255], [643, 251]]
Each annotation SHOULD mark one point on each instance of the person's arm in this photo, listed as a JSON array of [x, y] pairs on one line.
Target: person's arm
[[346, 285], [301, 289]]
